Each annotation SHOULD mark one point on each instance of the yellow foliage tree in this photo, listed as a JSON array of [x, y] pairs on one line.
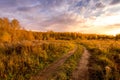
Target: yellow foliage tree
[[5, 37]]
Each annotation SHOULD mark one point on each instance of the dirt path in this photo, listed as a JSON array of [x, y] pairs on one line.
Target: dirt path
[[47, 72], [81, 72]]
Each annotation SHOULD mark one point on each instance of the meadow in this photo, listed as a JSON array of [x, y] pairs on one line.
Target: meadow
[[19, 61], [104, 62], [24, 54]]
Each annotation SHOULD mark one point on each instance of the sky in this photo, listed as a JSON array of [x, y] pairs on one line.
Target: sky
[[84, 16]]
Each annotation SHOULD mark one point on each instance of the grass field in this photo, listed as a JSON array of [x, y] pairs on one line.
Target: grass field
[[104, 63], [20, 60]]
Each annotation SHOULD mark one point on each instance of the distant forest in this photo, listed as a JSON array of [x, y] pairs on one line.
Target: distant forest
[[11, 31]]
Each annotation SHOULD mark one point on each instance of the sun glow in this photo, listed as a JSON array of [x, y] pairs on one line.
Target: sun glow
[[113, 32], [107, 20]]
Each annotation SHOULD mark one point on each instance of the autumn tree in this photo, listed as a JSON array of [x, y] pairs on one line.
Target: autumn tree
[[117, 36]]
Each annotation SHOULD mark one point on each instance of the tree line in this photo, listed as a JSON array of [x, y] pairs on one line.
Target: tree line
[[11, 31]]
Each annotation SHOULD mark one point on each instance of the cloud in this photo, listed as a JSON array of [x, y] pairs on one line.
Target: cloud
[[21, 3], [113, 2], [100, 5], [82, 3], [89, 16], [29, 8], [112, 29], [113, 26], [23, 8], [63, 22], [7, 3], [50, 4]]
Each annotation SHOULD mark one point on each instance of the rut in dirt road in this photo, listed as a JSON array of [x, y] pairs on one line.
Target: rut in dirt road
[[47, 72], [81, 72]]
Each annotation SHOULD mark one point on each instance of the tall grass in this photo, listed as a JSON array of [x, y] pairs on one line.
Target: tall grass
[[18, 61], [105, 59]]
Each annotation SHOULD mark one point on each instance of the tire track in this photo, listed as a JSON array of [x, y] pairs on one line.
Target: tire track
[[47, 72], [81, 72]]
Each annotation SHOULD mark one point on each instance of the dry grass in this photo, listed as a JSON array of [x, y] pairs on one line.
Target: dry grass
[[20, 60], [104, 54]]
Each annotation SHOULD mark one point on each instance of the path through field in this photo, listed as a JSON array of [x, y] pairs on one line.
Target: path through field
[[47, 72], [81, 72]]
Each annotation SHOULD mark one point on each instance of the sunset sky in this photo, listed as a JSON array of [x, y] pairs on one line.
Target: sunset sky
[[85, 16]]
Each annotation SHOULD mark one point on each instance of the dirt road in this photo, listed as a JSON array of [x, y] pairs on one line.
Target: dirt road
[[47, 72], [81, 72]]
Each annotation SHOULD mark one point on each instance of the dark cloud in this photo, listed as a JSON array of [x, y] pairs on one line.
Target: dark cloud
[[113, 2], [26, 2], [41, 6], [82, 3], [29, 8], [99, 5], [50, 3], [89, 7], [24, 8], [7, 3]]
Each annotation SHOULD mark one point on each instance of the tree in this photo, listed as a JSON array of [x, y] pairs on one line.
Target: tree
[[117, 36], [15, 24], [5, 37]]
